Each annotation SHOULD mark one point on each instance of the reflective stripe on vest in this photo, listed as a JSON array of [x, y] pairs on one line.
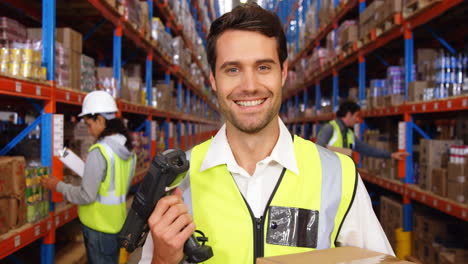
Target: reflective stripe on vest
[[337, 138], [111, 198], [107, 213], [220, 212]]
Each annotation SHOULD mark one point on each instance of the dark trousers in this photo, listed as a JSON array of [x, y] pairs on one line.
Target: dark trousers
[[101, 248]]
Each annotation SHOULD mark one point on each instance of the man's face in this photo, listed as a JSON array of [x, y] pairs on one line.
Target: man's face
[[248, 79], [352, 119]]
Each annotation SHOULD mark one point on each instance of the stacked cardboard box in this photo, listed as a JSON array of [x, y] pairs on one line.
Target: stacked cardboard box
[[430, 155], [347, 34], [457, 186], [391, 217], [416, 90], [88, 74], [431, 235], [107, 82], [367, 19], [453, 256], [12, 193], [68, 55], [326, 12]]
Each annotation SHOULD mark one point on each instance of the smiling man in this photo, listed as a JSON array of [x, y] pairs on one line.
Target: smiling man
[[255, 190]]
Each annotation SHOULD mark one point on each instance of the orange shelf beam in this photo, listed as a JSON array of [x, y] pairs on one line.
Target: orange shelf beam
[[414, 193]]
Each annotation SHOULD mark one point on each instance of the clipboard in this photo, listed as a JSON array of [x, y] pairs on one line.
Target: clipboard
[[72, 161]]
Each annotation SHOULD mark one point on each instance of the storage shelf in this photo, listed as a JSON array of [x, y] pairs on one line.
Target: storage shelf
[[24, 88], [200, 15], [442, 105], [18, 238], [324, 31], [397, 31], [415, 193], [385, 111], [169, 15], [140, 41], [43, 91]]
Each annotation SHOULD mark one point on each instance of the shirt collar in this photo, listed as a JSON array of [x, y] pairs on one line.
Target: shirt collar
[[220, 152]]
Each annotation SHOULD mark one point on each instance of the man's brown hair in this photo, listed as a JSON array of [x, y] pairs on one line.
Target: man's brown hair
[[249, 17]]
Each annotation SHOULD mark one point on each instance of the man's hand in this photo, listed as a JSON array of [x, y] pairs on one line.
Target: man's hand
[[50, 183], [399, 155], [170, 225]]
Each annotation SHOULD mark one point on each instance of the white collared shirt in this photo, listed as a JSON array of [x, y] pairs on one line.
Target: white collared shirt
[[360, 227]]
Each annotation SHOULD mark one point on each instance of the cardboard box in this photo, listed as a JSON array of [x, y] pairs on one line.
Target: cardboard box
[[369, 13], [458, 191], [416, 90], [439, 181], [75, 70], [70, 39], [4, 215], [453, 256], [457, 172], [332, 256], [425, 64], [12, 179], [345, 151], [392, 7]]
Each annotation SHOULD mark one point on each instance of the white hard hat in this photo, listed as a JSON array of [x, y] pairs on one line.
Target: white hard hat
[[98, 102]]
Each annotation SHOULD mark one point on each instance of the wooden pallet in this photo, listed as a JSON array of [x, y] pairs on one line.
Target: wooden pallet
[[413, 7], [387, 24]]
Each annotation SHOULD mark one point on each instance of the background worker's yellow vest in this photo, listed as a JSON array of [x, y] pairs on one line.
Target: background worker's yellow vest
[[337, 139], [107, 214], [237, 237]]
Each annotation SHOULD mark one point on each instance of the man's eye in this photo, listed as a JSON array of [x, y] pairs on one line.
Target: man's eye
[[232, 70], [263, 67]]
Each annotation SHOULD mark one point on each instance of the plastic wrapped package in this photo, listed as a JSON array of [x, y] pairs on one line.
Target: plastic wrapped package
[[177, 46], [11, 30], [395, 80], [88, 74]]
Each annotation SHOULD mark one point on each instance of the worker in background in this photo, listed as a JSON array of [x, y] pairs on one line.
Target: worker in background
[[339, 133], [244, 184], [108, 171]]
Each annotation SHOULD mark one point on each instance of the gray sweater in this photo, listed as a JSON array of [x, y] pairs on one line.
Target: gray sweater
[[94, 172], [326, 132]]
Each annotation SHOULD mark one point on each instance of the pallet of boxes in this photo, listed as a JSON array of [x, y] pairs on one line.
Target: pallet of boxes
[[391, 218], [68, 50], [437, 240], [387, 15], [22, 198], [368, 22], [457, 174], [433, 161]]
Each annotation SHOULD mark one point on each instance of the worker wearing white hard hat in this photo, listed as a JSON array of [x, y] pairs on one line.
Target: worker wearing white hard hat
[[109, 168]]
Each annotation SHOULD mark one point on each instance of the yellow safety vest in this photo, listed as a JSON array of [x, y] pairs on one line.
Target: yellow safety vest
[[107, 214], [237, 237], [337, 139]]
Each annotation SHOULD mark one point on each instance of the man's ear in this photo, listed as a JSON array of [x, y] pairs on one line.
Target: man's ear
[[284, 72], [212, 81]]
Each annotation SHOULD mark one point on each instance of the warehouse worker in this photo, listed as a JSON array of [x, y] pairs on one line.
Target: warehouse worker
[[108, 171], [338, 133], [244, 184]]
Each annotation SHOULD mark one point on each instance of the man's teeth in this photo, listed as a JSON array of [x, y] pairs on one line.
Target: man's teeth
[[250, 103]]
